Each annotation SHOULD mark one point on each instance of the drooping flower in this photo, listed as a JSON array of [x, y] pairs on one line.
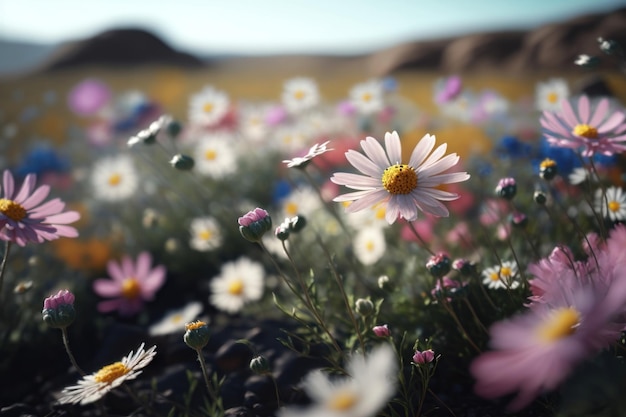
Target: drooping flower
[[174, 321], [206, 234], [595, 131], [303, 161], [93, 387], [300, 94], [501, 276], [23, 217], [208, 107], [550, 94], [369, 245], [403, 188], [130, 284], [238, 283], [372, 382], [114, 178], [612, 203]]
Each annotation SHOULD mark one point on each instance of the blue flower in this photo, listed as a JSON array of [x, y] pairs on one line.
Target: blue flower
[[40, 160]]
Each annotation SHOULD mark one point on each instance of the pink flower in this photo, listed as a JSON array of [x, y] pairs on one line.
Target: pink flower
[[63, 297], [403, 188], [130, 285], [381, 331], [426, 356], [88, 97], [24, 219], [449, 89], [252, 216], [595, 132]]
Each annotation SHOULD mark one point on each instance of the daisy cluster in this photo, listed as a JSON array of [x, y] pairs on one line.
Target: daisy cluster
[[414, 267]]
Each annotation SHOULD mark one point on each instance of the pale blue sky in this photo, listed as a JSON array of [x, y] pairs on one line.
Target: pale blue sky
[[282, 26]]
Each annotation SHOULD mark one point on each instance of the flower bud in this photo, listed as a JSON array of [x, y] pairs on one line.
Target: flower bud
[[364, 307], [297, 223], [282, 232], [424, 357], [518, 220], [259, 365], [548, 169], [382, 331], [254, 224], [182, 162], [384, 283], [196, 334], [438, 265], [58, 310], [507, 188], [540, 197], [465, 267]]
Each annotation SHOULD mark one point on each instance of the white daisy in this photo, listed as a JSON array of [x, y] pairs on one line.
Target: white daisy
[[301, 201], [251, 122], [501, 276], [371, 385], [93, 387], [239, 282], [549, 94], [215, 156], [369, 245], [372, 217], [208, 107], [114, 178], [206, 234], [612, 204], [367, 97], [174, 321], [300, 94], [580, 175], [302, 161], [289, 138]]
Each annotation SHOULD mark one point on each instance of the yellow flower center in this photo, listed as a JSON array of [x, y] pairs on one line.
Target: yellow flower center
[[547, 163], [614, 206], [208, 107], [12, 210], [194, 325], [494, 276], [400, 179], [560, 324], [210, 154], [131, 288], [552, 97], [586, 131], [205, 235], [114, 179], [111, 372], [366, 97], [369, 245], [380, 213], [299, 94], [235, 287], [291, 208], [342, 400], [505, 271], [176, 318]]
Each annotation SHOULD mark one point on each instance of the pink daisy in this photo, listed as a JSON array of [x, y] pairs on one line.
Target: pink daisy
[[24, 219], [596, 132], [130, 285], [403, 188]]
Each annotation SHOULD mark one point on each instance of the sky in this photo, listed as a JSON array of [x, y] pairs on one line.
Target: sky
[[282, 26]]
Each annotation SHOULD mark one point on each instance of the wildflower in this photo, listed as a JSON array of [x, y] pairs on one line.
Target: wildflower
[[130, 285], [550, 94], [93, 387], [148, 136], [446, 286], [58, 310], [548, 169], [282, 231], [114, 178], [464, 266], [301, 201], [254, 224], [206, 234], [501, 276], [208, 107], [88, 97], [403, 188], [382, 331], [372, 382], [506, 188], [182, 162], [367, 97], [580, 175], [175, 320], [448, 89], [364, 306], [23, 217], [300, 94], [587, 61], [611, 204], [438, 265], [215, 156], [239, 282], [518, 219], [597, 132], [423, 357], [302, 161], [260, 365], [197, 334], [369, 245]]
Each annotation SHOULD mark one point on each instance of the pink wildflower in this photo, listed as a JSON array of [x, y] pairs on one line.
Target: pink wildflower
[[130, 285], [597, 132], [424, 357], [24, 219], [381, 331]]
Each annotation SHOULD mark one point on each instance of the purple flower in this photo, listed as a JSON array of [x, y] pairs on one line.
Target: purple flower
[[252, 216], [24, 219], [402, 188], [424, 357], [254, 224], [597, 132], [506, 188], [88, 97], [58, 310], [63, 297], [450, 89], [130, 285], [381, 331]]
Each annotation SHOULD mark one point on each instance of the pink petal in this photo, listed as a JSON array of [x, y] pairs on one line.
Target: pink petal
[[153, 282], [51, 207], [552, 123], [66, 231], [37, 197], [368, 200], [9, 184], [393, 146], [600, 112], [421, 151], [375, 152], [450, 178], [392, 212], [366, 166], [63, 218], [406, 205], [568, 113], [107, 288], [27, 188], [441, 165], [142, 268], [583, 109], [437, 153], [355, 181], [128, 268], [612, 122], [115, 271], [109, 305]]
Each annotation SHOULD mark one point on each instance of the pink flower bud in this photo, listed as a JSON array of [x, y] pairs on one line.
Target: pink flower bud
[[252, 216], [63, 297], [426, 356], [381, 331]]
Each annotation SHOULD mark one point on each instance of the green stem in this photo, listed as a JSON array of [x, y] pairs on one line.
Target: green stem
[[205, 374], [66, 343], [7, 248]]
